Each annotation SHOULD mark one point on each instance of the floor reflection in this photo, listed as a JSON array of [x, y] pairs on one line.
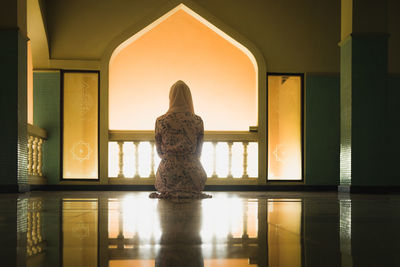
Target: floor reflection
[[220, 232], [79, 232], [231, 229]]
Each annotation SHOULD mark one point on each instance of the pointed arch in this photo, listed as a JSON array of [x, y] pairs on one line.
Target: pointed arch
[[136, 31]]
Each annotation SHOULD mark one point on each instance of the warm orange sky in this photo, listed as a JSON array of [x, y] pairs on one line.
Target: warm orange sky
[[222, 78]]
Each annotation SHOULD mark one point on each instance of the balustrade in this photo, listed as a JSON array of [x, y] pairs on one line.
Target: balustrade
[[34, 239], [227, 156], [36, 138]]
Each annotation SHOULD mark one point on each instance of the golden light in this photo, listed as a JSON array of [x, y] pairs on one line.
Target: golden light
[[284, 222], [80, 232], [181, 45]]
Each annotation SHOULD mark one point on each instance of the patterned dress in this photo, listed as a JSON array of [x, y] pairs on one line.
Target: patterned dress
[[179, 139]]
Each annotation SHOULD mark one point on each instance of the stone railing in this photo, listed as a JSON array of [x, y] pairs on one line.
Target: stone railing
[[225, 156], [34, 239], [36, 138]]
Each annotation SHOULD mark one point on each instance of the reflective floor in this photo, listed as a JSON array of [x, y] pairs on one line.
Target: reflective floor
[[121, 229]]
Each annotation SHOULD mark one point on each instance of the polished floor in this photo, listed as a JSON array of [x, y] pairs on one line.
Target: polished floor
[[121, 229]]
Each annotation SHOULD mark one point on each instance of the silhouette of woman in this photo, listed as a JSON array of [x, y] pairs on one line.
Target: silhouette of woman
[[179, 140]]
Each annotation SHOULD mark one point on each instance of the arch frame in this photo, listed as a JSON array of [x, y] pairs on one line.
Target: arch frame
[[153, 19]]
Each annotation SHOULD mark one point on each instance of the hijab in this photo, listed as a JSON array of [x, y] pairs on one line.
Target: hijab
[[180, 98]]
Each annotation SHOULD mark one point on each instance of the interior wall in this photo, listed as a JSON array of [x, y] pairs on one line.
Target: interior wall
[[46, 104], [394, 36], [293, 36], [393, 130], [322, 129]]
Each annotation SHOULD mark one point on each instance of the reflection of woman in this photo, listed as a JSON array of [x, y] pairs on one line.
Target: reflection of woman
[[179, 139], [180, 240]]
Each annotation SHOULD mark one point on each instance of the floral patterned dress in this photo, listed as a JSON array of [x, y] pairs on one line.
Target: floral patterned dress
[[179, 139]]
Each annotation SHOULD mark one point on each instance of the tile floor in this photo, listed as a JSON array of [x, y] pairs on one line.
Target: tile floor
[[121, 229]]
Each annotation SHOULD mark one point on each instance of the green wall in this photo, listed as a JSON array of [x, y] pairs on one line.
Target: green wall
[[322, 129], [46, 115], [393, 128], [368, 109], [13, 136]]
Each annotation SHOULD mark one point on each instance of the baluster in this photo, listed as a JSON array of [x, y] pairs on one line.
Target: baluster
[[245, 236], [136, 143], [120, 237], [39, 224], [245, 144], [34, 156], [30, 143], [152, 166], [29, 235], [230, 143], [34, 235], [39, 157], [38, 232], [121, 159], [214, 174]]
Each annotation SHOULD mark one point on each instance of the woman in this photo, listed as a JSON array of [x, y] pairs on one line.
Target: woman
[[179, 139]]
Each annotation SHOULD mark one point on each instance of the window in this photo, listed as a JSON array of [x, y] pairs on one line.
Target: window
[[284, 127], [80, 125]]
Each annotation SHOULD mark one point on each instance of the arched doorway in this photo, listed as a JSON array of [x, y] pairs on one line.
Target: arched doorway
[[241, 85]]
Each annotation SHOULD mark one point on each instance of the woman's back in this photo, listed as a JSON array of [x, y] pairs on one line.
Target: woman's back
[[179, 138], [179, 133]]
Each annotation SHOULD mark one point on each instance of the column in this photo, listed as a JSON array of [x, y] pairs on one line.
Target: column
[[363, 87], [13, 94]]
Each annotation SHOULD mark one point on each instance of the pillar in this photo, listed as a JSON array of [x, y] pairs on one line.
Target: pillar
[[13, 105], [363, 87]]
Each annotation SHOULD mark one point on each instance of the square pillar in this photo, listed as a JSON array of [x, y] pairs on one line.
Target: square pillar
[[13, 96], [363, 91]]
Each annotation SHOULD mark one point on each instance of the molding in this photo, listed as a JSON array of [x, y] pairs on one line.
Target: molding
[[46, 71], [23, 188], [36, 131], [365, 189], [143, 187], [35, 180], [9, 188], [74, 64]]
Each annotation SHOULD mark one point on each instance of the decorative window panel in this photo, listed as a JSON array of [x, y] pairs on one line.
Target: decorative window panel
[[284, 127], [80, 125]]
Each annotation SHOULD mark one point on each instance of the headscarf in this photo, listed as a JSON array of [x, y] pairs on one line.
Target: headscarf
[[180, 98]]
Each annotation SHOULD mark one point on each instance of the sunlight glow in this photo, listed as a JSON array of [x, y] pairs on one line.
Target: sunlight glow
[[220, 72], [225, 217], [146, 226]]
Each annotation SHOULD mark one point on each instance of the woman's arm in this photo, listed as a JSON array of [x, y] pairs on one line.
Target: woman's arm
[[200, 137], [158, 139]]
